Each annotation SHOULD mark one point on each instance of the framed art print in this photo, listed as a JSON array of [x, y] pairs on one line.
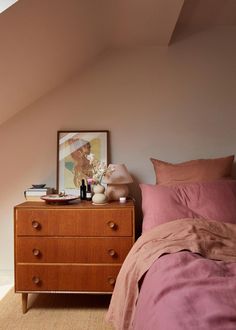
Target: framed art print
[[77, 152]]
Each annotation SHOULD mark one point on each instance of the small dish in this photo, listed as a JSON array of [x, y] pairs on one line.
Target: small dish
[[57, 199], [38, 186]]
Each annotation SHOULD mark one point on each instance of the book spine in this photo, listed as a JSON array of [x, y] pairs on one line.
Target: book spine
[[33, 198], [35, 193], [37, 190]]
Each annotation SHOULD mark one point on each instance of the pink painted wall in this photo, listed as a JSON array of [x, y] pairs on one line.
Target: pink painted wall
[[174, 104]]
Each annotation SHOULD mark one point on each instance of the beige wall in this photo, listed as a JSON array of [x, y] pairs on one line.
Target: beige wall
[[174, 104]]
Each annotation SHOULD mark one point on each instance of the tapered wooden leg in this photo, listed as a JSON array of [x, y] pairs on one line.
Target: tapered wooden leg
[[24, 302]]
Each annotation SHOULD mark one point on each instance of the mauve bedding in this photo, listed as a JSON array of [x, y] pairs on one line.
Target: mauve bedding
[[183, 290], [214, 200], [184, 263]]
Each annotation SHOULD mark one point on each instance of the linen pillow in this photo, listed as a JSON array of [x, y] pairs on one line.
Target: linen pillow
[[197, 170], [215, 200], [161, 204]]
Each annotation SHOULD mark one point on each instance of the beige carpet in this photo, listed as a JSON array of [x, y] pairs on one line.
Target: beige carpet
[[54, 311]]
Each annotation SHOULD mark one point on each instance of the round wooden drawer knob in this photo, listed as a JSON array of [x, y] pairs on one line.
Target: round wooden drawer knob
[[36, 280], [112, 225], [111, 280], [112, 253], [36, 252], [36, 224]]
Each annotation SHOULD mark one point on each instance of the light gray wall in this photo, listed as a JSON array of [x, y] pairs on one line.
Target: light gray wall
[[174, 104]]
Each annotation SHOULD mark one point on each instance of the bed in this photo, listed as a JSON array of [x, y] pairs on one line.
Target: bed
[[181, 272]]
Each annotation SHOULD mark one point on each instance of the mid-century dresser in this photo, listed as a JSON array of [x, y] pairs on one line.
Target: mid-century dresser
[[78, 247]]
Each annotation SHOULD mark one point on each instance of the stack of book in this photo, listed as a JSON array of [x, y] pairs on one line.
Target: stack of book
[[34, 194]]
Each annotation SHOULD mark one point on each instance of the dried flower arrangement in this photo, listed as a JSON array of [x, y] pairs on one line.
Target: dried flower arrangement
[[99, 169]]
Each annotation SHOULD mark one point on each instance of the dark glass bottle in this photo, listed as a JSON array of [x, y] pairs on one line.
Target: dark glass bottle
[[83, 190], [89, 193]]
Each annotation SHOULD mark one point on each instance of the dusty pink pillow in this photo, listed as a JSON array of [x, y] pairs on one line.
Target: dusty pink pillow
[[197, 170], [161, 204], [215, 200]]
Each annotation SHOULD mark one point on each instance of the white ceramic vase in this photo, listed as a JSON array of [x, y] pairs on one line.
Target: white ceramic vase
[[99, 196]]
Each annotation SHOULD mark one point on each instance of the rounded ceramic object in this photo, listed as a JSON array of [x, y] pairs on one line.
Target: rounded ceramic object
[[99, 198], [39, 186], [98, 189]]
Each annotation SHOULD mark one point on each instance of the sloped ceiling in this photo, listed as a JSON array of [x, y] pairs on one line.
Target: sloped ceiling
[[45, 42]]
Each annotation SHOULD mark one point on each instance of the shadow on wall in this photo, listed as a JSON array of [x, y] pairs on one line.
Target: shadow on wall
[[234, 170], [135, 193]]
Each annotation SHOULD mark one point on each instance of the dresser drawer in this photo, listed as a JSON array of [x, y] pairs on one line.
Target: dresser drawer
[[54, 222], [95, 278], [72, 249]]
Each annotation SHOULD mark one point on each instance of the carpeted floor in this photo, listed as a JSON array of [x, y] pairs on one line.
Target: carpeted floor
[[54, 311]]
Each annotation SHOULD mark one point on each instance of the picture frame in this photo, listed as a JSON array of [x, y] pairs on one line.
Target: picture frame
[[75, 150]]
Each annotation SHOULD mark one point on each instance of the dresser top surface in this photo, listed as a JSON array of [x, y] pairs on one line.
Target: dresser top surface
[[76, 205]]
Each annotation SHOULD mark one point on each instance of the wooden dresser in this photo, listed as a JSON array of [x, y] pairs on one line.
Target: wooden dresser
[[77, 247]]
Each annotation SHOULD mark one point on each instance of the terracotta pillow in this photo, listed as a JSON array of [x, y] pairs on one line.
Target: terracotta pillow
[[198, 170]]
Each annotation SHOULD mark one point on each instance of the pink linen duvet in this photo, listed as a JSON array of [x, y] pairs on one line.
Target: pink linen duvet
[[184, 291], [190, 283]]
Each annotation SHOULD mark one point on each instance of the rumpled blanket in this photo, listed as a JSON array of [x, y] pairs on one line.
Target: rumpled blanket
[[212, 239]]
